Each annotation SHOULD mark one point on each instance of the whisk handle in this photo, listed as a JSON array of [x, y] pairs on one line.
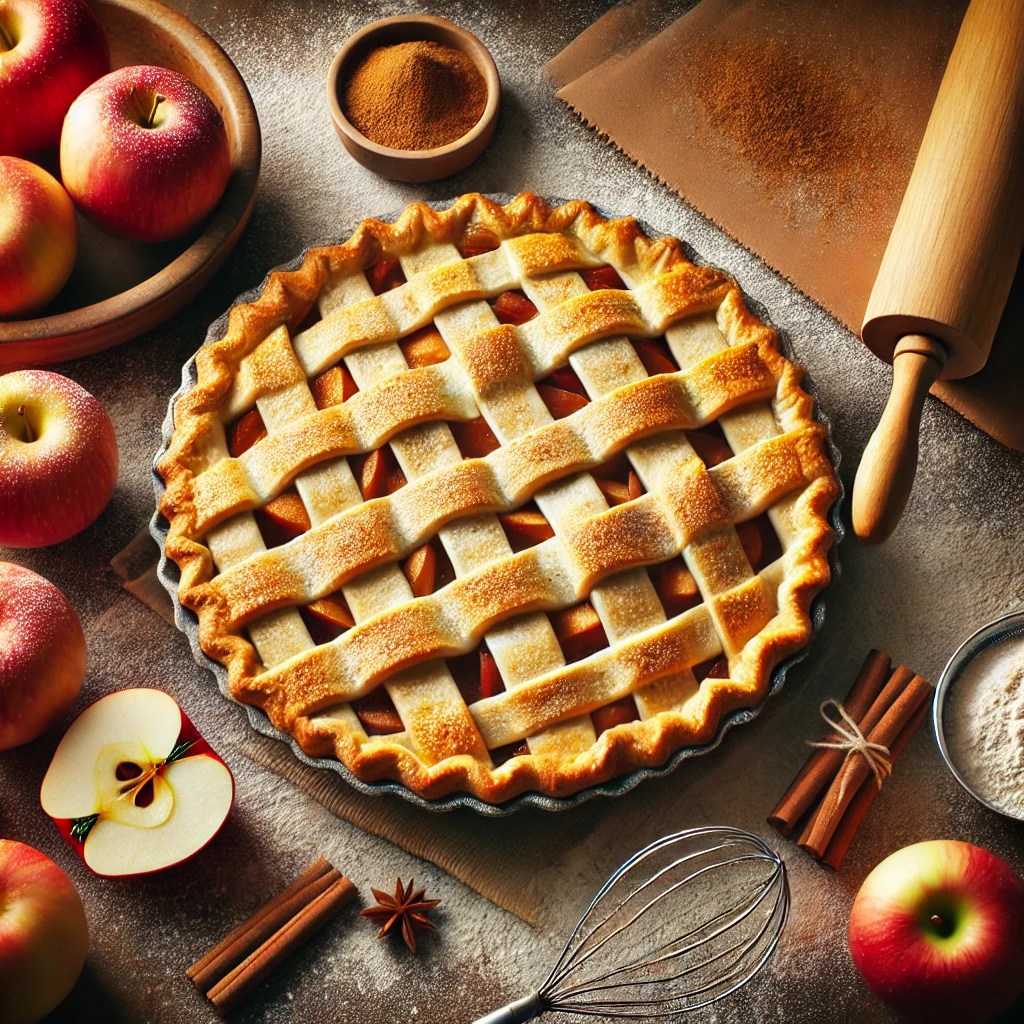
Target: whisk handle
[[516, 1013]]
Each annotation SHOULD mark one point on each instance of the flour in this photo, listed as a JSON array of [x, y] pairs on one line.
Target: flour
[[984, 724]]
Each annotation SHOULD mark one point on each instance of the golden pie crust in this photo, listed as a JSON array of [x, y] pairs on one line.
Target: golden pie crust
[[731, 371]]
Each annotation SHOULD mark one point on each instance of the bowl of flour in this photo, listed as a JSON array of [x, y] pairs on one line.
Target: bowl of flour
[[979, 715]]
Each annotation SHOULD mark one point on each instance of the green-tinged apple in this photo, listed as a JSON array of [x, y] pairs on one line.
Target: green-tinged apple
[[38, 236], [50, 50], [133, 786], [43, 934], [42, 655], [145, 154], [937, 930], [58, 458]]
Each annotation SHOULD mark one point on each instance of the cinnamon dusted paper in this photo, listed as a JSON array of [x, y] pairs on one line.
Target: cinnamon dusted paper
[[794, 125]]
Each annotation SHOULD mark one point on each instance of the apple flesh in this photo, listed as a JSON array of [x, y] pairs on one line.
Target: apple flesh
[[58, 458], [937, 931], [42, 655], [38, 237], [144, 153], [50, 50], [133, 786], [43, 934]]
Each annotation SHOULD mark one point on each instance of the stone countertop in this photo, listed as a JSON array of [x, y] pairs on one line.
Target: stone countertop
[[956, 562]]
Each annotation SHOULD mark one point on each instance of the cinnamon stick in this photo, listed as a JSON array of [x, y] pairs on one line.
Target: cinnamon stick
[[852, 819], [822, 765], [313, 872], [822, 826], [235, 952], [236, 985]]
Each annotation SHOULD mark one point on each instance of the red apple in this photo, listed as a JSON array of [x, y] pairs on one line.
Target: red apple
[[133, 786], [58, 458], [42, 655], [937, 930], [144, 153], [43, 934], [50, 50], [38, 236]]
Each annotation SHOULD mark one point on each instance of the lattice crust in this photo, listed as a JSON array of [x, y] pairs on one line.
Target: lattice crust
[[730, 372]]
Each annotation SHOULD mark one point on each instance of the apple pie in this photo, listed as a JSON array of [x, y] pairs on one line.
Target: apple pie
[[498, 498]]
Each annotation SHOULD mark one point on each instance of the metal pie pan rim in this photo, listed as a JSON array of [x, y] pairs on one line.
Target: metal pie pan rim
[[187, 622]]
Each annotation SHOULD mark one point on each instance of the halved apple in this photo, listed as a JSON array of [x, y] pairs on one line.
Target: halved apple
[[133, 787]]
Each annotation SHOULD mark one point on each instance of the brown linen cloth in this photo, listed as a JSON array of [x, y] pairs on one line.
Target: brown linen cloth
[[794, 126], [465, 851]]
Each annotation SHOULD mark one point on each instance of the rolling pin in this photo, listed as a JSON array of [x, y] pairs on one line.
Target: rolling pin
[[953, 251]]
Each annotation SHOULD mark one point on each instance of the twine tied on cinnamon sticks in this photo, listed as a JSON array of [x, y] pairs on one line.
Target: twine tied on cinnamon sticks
[[832, 794]]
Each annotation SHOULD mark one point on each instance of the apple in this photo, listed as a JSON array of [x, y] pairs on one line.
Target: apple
[[133, 786], [50, 50], [144, 153], [58, 458], [43, 934], [38, 236], [42, 655], [937, 931]]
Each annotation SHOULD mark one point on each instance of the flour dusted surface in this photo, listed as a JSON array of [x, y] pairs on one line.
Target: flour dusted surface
[[984, 724]]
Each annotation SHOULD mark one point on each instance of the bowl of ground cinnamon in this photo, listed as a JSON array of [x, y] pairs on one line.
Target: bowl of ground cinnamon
[[414, 97]]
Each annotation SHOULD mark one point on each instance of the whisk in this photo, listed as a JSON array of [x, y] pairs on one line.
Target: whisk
[[682, 924]]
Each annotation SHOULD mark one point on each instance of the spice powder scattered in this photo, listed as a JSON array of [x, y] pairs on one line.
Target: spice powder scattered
[[415, 95], [796, 119]]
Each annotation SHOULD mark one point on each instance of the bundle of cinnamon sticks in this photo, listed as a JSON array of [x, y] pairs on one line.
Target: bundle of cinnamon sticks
[[240, 962], [831, 796]]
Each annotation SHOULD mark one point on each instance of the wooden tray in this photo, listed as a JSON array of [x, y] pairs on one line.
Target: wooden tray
[[120, 289]]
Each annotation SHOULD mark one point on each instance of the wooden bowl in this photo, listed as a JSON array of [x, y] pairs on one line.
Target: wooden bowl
[[120, 289], [413, 165]]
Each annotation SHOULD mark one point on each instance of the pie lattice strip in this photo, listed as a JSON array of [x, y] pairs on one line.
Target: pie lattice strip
[[317, 563], [283, 634], [687, 400], [432, 685], [530, 646]]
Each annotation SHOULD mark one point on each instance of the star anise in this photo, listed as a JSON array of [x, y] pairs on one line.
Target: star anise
[[406, 906]]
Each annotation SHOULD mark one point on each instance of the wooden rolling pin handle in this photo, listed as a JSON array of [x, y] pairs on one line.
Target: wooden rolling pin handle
[[885, 475]]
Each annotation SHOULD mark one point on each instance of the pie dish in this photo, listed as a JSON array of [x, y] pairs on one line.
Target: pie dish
[[498, 499]]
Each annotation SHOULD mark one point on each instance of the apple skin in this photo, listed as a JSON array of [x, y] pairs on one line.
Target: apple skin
[[43, 934], [42, 655], [57, 484], [38, 237], [148, 180], [58, 49], [969, 968]]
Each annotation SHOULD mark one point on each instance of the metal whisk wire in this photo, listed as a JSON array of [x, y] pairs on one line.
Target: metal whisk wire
[[726, 890]]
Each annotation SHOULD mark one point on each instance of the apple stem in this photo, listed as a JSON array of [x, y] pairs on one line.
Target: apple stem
[[157, 100], [6, 40], [29, 433], [936, 920]]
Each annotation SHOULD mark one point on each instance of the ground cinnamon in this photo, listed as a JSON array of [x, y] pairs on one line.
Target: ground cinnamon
[[792, 117], [415, 95]]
